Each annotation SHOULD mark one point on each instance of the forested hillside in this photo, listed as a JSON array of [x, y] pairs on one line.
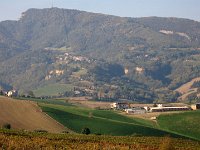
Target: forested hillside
[[106, 57]]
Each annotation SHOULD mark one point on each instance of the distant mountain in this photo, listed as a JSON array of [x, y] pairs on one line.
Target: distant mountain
[[107, 57]]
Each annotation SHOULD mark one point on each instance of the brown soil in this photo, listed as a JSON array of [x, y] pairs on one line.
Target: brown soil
[[26, 115], [186, 89], [187, 86]]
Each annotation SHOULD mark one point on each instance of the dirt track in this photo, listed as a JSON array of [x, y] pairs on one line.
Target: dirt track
[[187, 86], [26, 115], [186, 89]]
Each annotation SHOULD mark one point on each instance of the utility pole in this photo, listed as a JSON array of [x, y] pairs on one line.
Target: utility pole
[[52, 4]]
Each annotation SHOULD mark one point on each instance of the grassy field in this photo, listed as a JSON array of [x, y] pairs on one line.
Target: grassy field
[[46, 101], [100, 121], [10, 139], [186, 123], [109, 122], [52, 90]]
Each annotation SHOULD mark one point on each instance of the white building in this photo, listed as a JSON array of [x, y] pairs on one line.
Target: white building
[[12, 93], [195, 106], [161, 108]]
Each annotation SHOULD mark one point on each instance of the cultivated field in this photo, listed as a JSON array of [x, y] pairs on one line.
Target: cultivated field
[[27, 141], [86, 102], [186, 123], [106, 122], [26, 115]]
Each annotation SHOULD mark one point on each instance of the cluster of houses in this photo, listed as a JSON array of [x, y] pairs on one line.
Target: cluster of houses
[[146, 109], [66, 58]]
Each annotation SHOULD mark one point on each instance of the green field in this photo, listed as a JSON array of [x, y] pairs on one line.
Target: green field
[[52, 90], [109, 122], [186, 123], [10, 139], [100, 121]]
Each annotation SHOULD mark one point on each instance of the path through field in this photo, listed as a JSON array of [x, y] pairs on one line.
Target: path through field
[[26, 115], [186, 89]]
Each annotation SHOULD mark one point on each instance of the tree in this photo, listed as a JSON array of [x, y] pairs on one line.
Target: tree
[[85, 131], [155, 105], [1, 92], [31, 94]]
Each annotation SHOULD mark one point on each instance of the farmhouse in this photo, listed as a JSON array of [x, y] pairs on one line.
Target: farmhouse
[[135, 110], [119, 105], [161, 108], [195, 106], [11, 93]]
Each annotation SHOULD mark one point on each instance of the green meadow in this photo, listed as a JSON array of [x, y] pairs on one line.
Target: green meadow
[[101, 121], [52, 90], [186, 123]]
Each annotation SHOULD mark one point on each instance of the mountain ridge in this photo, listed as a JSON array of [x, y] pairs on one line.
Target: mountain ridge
[[48, 46]]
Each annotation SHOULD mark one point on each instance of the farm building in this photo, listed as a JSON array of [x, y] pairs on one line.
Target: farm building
[[195, 106], [12, 93], [119, 105], [161, 108], [135, 110]]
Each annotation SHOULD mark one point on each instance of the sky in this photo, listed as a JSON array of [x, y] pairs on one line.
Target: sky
[[12, 9]]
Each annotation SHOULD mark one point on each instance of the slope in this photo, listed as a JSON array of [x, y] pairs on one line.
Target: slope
[[60, 46], [24, 140], [186, 123], [186, 89], [102, 121], [26, 115]]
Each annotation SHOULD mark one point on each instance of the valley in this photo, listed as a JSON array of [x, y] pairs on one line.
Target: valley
[[73, 79], [73, 118]]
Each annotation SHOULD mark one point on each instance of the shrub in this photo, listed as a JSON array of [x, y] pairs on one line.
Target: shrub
[[65, 132], [85, 131], [6, 126], [41, 131]]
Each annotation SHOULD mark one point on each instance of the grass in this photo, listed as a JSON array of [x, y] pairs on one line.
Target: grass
[[186, 123], [45, 101], [52, 90], [112, 123], [101, 122], [10, 139]]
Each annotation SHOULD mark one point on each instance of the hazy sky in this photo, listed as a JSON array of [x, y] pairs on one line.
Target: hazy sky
[[11, 9]]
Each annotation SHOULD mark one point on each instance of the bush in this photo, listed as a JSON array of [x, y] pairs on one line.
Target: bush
[[6, 126], [65, 132], [85, 131], [41, 131]]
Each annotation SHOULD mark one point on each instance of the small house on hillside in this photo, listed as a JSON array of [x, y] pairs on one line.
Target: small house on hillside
[[119, 105]]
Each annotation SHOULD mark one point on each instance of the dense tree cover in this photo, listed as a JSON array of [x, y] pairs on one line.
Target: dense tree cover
[[102, 56]]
